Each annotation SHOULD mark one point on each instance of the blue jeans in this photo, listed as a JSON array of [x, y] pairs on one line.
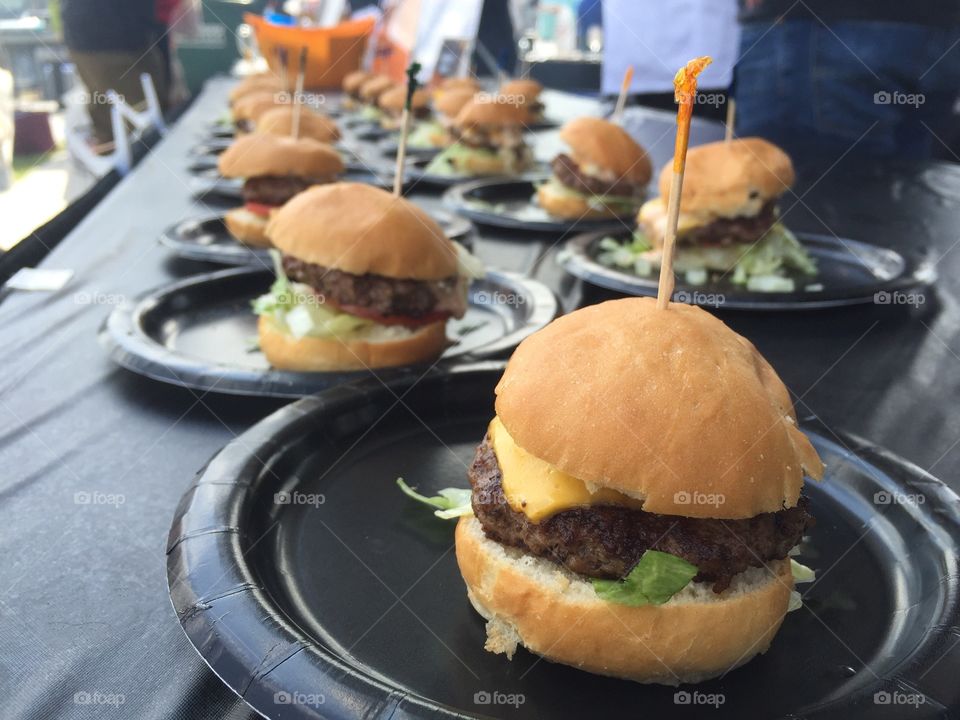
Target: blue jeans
[[873, 88]]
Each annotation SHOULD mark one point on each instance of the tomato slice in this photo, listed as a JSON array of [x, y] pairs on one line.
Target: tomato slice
[[405, 320], [259, 208]]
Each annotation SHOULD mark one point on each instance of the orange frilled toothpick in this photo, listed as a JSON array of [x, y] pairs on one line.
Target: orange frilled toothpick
[[684, 92]]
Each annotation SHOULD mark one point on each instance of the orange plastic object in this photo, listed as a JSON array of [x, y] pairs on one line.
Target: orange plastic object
[[332, 51]]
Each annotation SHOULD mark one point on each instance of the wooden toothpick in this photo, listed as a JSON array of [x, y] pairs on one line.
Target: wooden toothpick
[[731, 119], [622, 97], [405, 127], [298, 92], [684, 92]]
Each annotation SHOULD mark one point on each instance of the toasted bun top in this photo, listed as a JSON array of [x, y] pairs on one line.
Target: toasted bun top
[[353, 80], [608, 146], [729, 179], [279, 121], [259, 154], [450, 102], [255, 83], [361, 229], [375, 87], [394, 98], [524, 87], [660, 405], [255, 104], [459, 83], [484, 109]]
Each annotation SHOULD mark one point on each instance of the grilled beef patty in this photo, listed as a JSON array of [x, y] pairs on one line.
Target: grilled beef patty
[[569, 173], [729, 231], [276, 190], [383, 295], [606, 541]]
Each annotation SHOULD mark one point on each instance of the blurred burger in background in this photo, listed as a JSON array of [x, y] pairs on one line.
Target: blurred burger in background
[[370, 92], [525, 91], [365, 280], [391, 105], [488, 139], [279, 121], [274, 169], [729, 222], [604, 175], [351, 88], [435, 133], [255, 83], [248, 109]]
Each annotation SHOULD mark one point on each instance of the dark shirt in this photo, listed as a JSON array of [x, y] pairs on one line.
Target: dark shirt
[[109, 25], [923, 12]]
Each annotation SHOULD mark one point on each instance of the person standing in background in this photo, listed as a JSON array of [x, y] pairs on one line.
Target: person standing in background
[[656, 38], [832, 77], [112, 42]]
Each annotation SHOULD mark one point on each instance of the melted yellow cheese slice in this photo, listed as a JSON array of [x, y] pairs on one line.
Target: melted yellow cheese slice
[[538, 489]]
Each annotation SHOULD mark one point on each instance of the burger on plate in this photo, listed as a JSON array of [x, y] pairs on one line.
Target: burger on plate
[[637, 496], [366, 280], [274, 169], [255, 83], [604, 175], [279, 121], [525, 91], [248, 109], [729, 222], [391, 106], [435, 133], [457, 83], [351, 88], [370, 93], [488, 139]]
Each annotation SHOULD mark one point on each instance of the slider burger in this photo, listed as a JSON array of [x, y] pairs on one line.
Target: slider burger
[[275, 168], [527, 92], [255, 83], [366, 280], [370, 93], [391, 106], [488, 134], [729, 222], [452, 84], [604, 174], [436, 133], [351, 88], [637, 496], [248, 109], [279, 121]]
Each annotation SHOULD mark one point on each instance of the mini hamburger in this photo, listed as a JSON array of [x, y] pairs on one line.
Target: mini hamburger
[[637, 496], [274, 168], [435, 133], [729, 222], [391, 106], [370, 93], [488, 135], [279, 121], [255, 83], [351, 88], [604, 175], [527, 92], [248, 109], [366, 280]]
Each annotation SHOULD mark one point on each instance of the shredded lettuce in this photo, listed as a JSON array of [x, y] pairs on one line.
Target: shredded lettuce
[[449, 503], [447, 162], [618, 203], [801, 573], [652, 581], [296, 309], [777, 250], [468, 264], [370, 112], [421, 137]]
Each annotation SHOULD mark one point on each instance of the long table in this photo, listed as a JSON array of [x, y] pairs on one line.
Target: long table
[[94, 459]]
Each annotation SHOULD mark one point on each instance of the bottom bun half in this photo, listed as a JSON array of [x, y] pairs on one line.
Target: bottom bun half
[[247, 227], [565, 205], [554, 613], [315, 354]]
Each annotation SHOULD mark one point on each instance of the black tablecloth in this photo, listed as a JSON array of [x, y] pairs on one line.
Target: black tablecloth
[[93, 459]]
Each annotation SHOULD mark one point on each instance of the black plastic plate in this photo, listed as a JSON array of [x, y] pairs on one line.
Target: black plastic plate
[[511, 203], [201, 333], [313, 588], [208, 240], [849, 272]]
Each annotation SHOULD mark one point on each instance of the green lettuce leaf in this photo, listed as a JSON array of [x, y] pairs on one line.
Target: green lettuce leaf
[[446, 162], [422, 135], [449, 503], [652, 581], [777, 251], [801, 573]]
